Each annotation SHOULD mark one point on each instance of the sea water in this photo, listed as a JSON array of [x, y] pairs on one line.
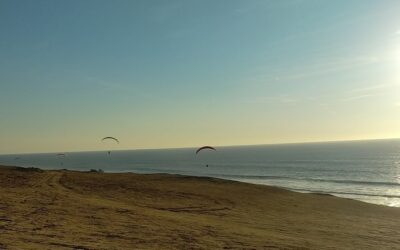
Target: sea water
[[364, 170]]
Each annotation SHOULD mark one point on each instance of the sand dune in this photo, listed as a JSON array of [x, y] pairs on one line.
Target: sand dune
[[77, 210]]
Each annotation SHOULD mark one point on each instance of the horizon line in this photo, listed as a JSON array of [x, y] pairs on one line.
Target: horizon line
[[194, 147]]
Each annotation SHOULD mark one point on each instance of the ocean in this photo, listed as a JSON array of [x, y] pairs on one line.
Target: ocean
[[363, 170]]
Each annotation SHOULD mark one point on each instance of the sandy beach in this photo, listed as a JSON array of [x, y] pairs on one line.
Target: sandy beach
[[81, 210]]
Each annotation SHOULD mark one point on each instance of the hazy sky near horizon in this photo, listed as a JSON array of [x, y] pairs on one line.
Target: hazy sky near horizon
[[184, 73]]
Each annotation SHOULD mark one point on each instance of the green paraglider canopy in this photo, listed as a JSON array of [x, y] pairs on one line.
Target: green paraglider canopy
[[110, 138]]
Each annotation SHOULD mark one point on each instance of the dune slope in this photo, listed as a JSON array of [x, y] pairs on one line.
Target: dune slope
[[77, 210]]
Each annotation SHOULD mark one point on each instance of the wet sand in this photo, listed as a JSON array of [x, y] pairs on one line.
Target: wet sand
[[78, 210]]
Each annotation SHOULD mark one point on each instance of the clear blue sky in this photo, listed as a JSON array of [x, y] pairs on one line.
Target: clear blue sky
[[186, 73]]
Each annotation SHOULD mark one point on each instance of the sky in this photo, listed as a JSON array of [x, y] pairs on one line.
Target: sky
[[161, 74]]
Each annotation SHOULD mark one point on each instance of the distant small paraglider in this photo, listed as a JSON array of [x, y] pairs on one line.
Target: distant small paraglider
[[61, 156], [110, 138], [203, 148]]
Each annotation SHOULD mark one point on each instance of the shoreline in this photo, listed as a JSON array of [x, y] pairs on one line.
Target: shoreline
[[60, 209], [344, 195]]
